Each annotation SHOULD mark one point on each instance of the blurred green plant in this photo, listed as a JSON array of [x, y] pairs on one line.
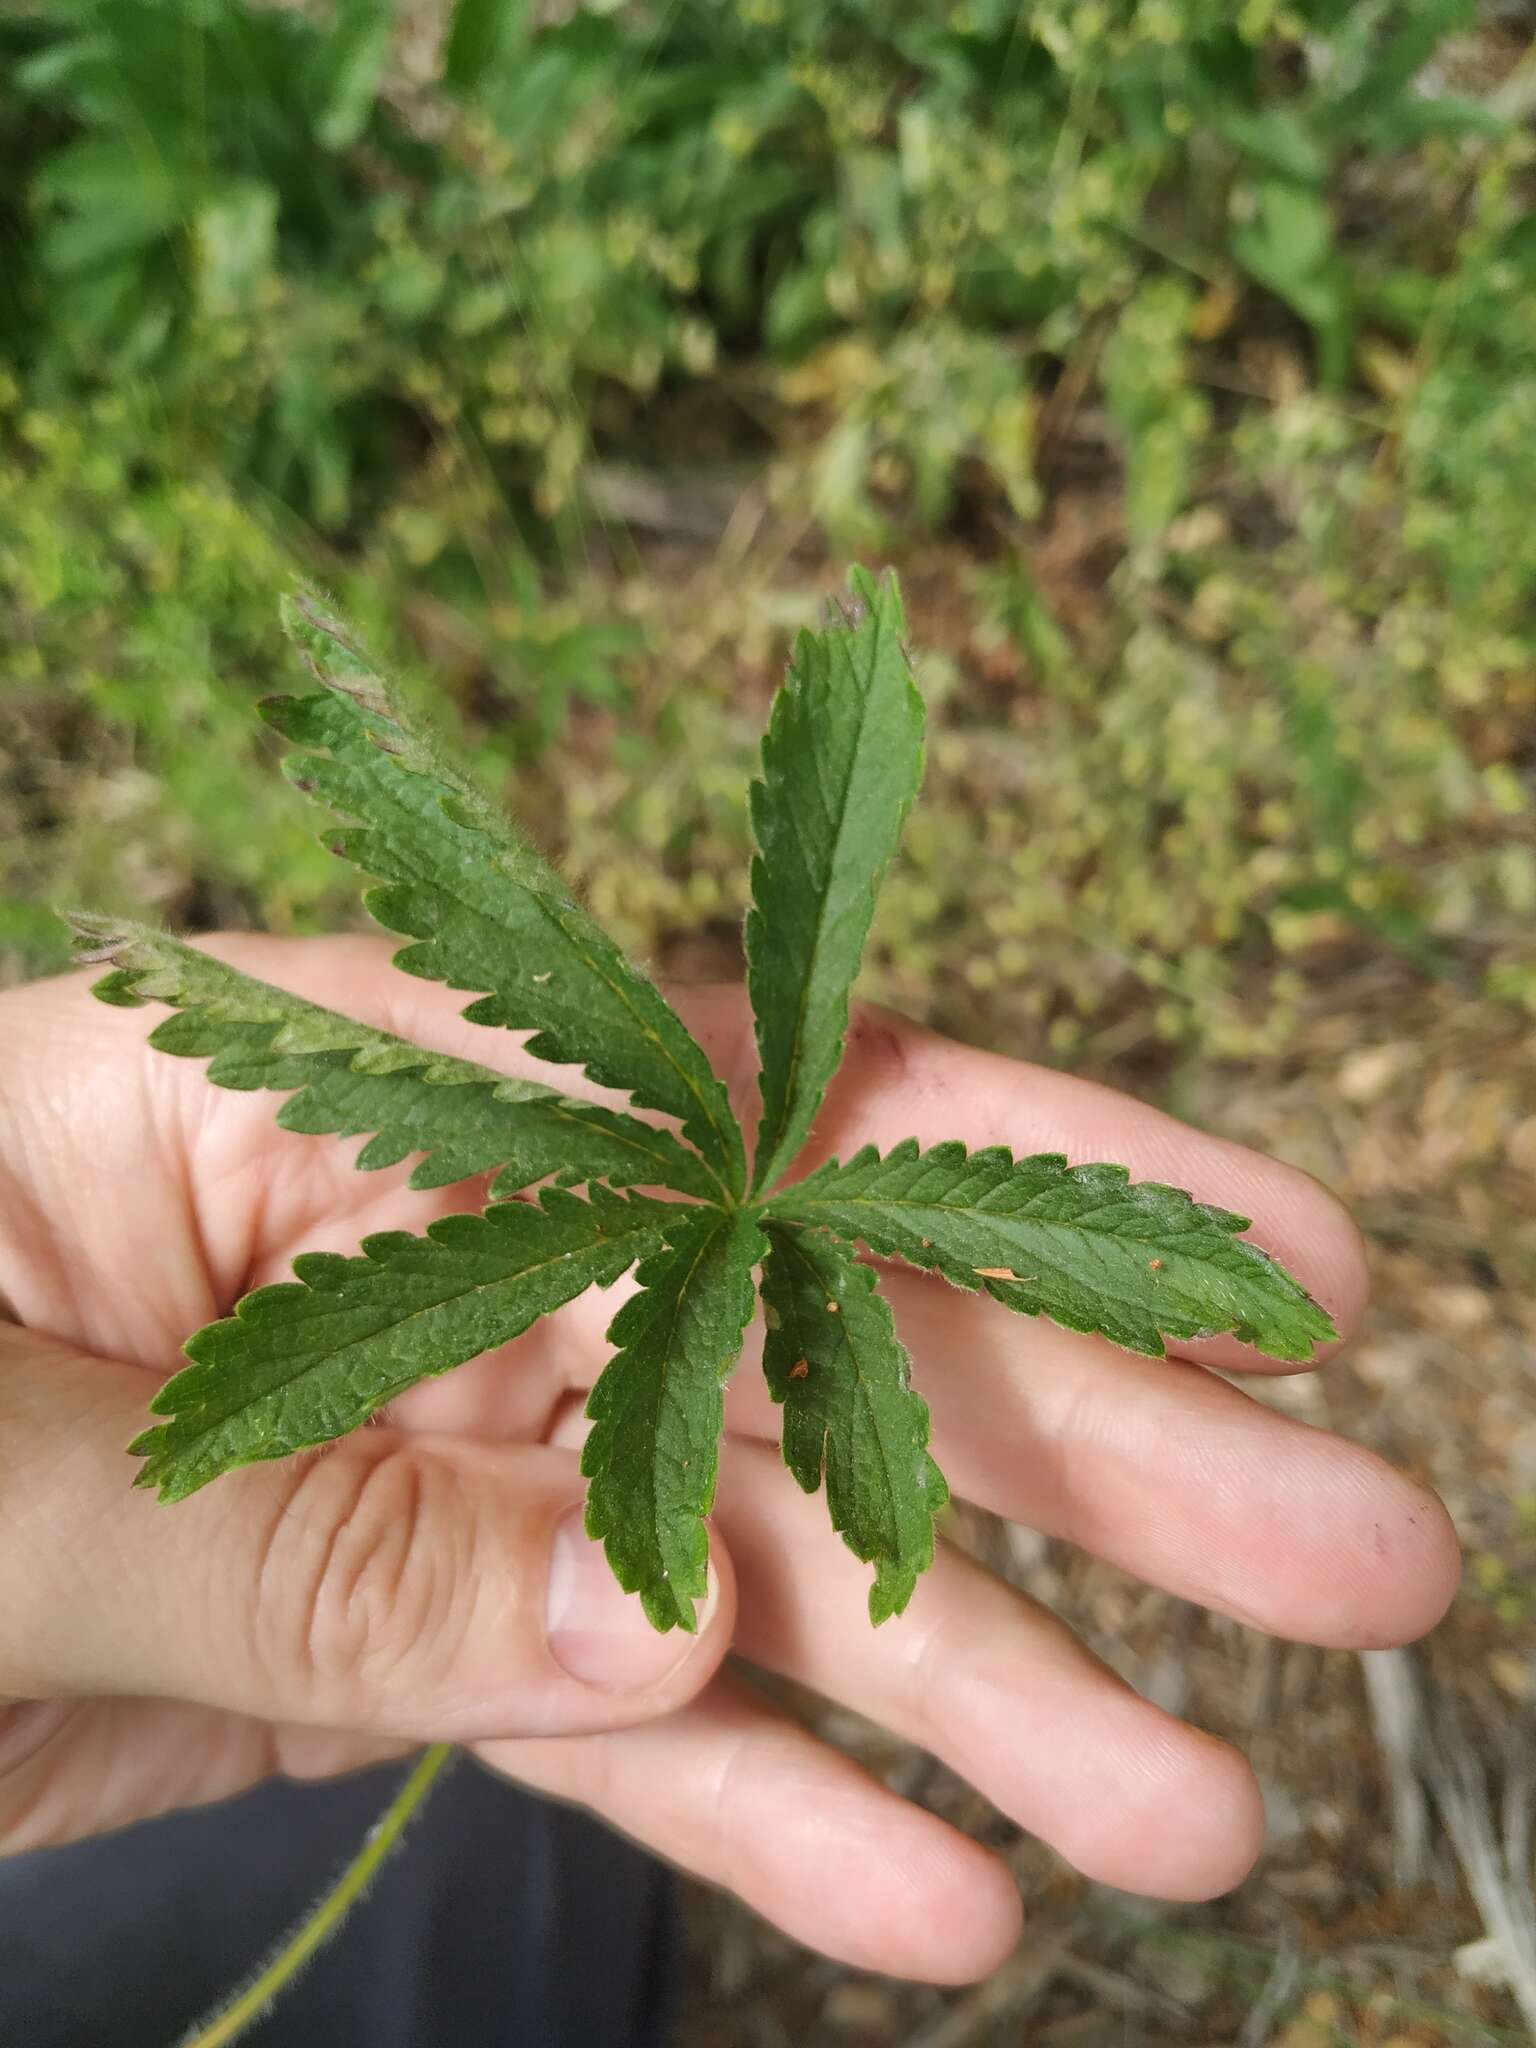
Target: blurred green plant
[[133, 608], [1161, 418], [327, 264], [134, 639], [992, 271]]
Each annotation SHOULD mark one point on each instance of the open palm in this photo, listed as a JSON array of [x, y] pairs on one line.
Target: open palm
[[318, 1614]]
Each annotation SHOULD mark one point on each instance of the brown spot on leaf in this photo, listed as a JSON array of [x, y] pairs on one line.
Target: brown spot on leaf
[[799, 1369]]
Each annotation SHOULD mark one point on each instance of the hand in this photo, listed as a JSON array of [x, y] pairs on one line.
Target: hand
[[426, 1579]]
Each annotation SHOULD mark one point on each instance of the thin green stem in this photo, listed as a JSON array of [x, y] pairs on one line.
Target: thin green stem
[[322, 1921]]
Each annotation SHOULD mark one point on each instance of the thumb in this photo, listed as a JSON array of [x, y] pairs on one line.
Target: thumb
[[423, 1587]]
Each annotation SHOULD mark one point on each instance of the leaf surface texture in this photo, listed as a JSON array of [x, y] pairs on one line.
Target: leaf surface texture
[[303, 1362], [657, 1411], [486, 912], [834, 1361], [1084, 1245], [842, 758]]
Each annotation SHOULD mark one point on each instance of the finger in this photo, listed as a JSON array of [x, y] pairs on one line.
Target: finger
[[1171, 1473], [999, 1690], [405, 1586], [69, 1769], [899, 1081], [743, 1797], [1156, 1465]]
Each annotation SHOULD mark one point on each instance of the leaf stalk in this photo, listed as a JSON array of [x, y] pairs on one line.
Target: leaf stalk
[[325, 1918]]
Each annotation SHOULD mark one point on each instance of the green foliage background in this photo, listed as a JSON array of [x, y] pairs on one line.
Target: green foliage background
[[1182, 355]]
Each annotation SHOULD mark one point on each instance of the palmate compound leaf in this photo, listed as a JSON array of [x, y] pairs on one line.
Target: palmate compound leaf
[[657, 1410], [842, 758], [299, 1364], [1080, 1244], [833, 1360], [350, 1079], [488, 914]]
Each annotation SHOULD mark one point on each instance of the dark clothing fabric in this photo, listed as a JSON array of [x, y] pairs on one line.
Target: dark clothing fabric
[[502, 1922]]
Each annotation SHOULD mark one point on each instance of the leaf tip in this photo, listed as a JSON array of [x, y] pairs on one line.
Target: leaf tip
[[890, 1594], [98, 941], [333, 653]]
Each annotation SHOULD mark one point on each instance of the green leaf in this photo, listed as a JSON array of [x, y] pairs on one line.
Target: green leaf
[[1278, 137], [833, 1360], [352, 1080], [488, 913], [100, 175], [841, 762], [1389, 70], [1080, 1244], [657, 1411], [1291, 247], [350, 67], [481, 36], [298, 1365], [236, 244]]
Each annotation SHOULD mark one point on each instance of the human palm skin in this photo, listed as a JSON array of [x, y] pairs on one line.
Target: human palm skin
[[319, 1614]]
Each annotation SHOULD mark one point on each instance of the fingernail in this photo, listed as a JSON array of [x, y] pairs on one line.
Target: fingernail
[[597, 1631]]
